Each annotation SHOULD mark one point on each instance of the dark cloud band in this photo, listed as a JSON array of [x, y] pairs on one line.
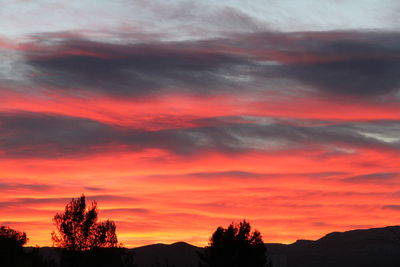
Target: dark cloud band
[[335, 63], [46, 135]]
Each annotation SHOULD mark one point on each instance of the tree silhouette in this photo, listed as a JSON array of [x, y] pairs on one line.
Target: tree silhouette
[[11, 242], [235, 246], [86, 242], [12, 253], [78, 229], [10, 238]]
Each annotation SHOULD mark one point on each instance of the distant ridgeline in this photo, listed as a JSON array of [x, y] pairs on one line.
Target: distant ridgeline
[[357, 248], [377, 247]]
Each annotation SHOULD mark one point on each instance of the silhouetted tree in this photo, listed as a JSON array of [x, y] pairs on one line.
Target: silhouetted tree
[[78, 229], [86, 242], [10, 238], [12, 253], [11, 242], [235, 246]]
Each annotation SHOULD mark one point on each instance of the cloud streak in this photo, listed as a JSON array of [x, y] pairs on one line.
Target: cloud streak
[[46, 135], [18, 186], [325, 62]]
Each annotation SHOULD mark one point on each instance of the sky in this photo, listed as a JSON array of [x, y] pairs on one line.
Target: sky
[[181, 116]]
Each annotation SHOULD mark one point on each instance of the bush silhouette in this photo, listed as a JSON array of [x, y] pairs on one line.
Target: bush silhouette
[[11, 242], [235, 246], [12, 239], [12, 253], [78, 229]]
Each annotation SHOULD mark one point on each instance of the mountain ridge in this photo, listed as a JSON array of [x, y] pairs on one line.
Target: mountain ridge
[[374, 247]]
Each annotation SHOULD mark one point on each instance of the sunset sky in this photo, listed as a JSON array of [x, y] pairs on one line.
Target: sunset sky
[[181, 116]]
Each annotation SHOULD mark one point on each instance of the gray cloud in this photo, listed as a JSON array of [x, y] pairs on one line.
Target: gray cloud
[[92, 188], [353, 77], [136, 69], [18, 202], [379, 177], [212, 175], [18, 186], [126, 211], [362, 64], [46, 135], [253, 175], [392, 207], [35, 134], [230, 174]]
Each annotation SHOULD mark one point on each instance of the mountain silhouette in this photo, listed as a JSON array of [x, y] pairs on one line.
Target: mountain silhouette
[[356, 248], [177, 255], [376, 247]]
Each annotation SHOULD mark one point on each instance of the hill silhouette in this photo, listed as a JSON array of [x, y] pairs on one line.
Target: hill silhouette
[[356, 248], [363, 248], [177, 254]]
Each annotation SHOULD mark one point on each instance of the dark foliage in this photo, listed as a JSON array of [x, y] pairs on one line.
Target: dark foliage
[[235, 246], [86, 242], [12, 253], [78, 229], [11, 242], [97, 257], [10, 238]]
